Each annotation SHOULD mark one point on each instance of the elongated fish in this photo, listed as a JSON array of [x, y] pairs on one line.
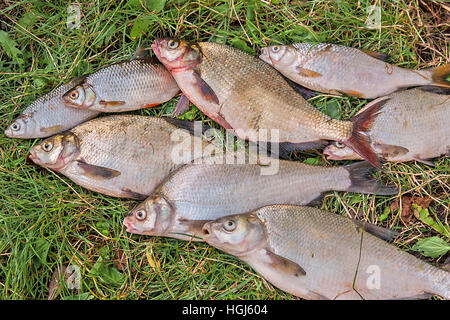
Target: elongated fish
[[315, 254], [124, 86], [196, 193], [247, 96], [337, 69], [412, 125], [48, 115], [121, 156]]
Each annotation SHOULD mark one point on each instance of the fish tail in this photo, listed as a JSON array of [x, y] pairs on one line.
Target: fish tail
[[441, 76], [359, 140], [362, 182]]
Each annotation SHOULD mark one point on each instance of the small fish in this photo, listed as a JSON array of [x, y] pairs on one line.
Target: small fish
[[412, 125], [123, 156], [248, 97], [314, 254], [336, 69], [48, 115], [206, 191], [124, 86]]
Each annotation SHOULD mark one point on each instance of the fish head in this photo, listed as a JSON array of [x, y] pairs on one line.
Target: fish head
[[176, 55], [339, 151], [236, 234], [22, 127], [151, 217], [278, 55], [56, 152], [81, 96]]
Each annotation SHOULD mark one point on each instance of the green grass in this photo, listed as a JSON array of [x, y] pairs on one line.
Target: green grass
[[47, 222]]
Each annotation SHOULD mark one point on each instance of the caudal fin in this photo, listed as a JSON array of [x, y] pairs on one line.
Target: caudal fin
[[441, 76], [360, 141], [362, 182]]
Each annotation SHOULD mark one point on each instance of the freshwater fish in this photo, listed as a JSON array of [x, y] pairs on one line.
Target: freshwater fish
[[123, 156], [336, 69], [124, 86], [314, 254], [247, 97], [199, 192], [412, 125], [48, 115]]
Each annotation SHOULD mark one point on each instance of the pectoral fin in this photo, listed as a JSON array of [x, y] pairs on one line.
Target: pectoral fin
[[428, 163], [52, 129], [182, 106], [203, 89], [375, 54], [389, 150], [133, 195], [307, 73], [284, 266], [111, 103], [97, 172]]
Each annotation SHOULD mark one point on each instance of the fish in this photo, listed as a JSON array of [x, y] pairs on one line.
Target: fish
[[198, 192], [411, 125], [248, 97], [315, 254], [48, 115], [340, 70], [123, 86], [124, 156]]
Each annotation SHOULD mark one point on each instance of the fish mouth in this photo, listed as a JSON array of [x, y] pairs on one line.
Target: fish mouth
[[264, 56], [331, 156], [33, 157], [129, 226], [9, 133]]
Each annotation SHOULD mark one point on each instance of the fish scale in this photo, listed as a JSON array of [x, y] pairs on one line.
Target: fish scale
[[413, 124], [337, 259], [48, 115], [136, 83], [138, 147], [320, 233], [240, 81]]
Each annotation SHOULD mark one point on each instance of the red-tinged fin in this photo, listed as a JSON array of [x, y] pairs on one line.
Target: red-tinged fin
[[441, 76], [150, 105], [375, 54], [111, 103], [352, 93], [362, 182], [182, 106], [307, 73], [204, 90], [359, 140]]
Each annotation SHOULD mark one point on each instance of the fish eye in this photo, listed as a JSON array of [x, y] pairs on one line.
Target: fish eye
[[140, 214], [229, 225], [275, 48], [339, 145], [47, 146], [15, 126], [74, 94], [172, 44]]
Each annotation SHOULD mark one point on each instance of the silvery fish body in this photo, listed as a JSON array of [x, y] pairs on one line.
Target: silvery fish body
[[124, 86], [412, 125], [315, 254], [121, 156], [48, 115], [338, 69], [209, 190]]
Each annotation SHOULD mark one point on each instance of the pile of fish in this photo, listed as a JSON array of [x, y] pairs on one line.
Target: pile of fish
[[267, 221]]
